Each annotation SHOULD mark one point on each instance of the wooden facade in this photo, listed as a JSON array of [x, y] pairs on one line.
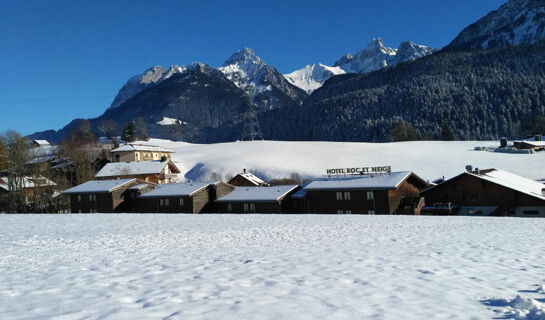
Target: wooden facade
[[400, 199], [472, 195], [194, 203], [271, 202], [165, 174], [247, 179]]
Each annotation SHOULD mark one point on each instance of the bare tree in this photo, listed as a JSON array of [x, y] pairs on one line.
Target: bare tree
[[109, 128], [17, 154]]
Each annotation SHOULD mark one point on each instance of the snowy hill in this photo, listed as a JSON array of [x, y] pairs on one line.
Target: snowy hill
[[377, 56], [312, 77], [274, 159], [514, 23]]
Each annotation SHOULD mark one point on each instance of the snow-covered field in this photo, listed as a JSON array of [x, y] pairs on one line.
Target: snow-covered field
[[270, 267], [277, 159]]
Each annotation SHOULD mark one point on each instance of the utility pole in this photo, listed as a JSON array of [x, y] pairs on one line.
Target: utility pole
[[251, 128]]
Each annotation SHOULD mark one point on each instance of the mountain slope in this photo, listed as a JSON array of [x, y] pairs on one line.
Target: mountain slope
[[268, 88], [516, 22]]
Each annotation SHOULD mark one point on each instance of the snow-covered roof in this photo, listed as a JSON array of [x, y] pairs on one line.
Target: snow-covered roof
[[533, 143], [367, 182], [140, 147], [175, 190], [301, 193], [42, 142], [98, 186], [252, 178], [132, 168], [29, 182], [512, 181], [257, 194]]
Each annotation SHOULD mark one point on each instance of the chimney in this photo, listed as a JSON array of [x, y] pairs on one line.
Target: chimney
[[503, 143], [537, 137], [469, 168], [244, 170], [477, 171], [543, 192]]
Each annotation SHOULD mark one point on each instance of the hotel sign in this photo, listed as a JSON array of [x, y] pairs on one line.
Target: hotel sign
[[360, 171]]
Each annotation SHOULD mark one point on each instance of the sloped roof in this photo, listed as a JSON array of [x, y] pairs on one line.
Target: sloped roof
[[98, 186], [140, 147], [132, 168], [368, 182], [139, 186], [512, 181], [257, 194], [301, 193], [532, 143], [42, 142], [28, 182], [175, 190], [252, 178]]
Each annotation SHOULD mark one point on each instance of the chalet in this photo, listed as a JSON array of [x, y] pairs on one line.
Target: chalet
[[487, 192], [30, 184], [190, 197], [158, 172], [131, 196], [257, 200], [391, 193], [139, 152], [247, 179], [40, 143], [532, 145], [216, 191], [99, 195]]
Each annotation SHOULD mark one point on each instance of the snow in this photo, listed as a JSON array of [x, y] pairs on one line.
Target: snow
[[278, 159], [375, 182], [98, 186], [169, 121], [257, 194], [28, 182], [175, 190], [269, 267], [131, 168]]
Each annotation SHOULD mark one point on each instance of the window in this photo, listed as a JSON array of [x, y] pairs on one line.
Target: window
[[164, 202], [79, 211], [92, 197], [347, 195], [79, 198], [229, 207], [181, 202], [167, 203], [371, 212], [339, 195], [474, 211], [137, 156], [370, 195], [348, 212], [339, 212], [245, 207], [252, 207]]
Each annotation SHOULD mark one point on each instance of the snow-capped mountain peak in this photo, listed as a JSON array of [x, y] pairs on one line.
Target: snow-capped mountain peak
[[516, 22], [377, 56], [244, 68], [312, 77]]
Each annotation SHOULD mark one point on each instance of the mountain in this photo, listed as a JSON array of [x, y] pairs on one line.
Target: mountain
[[311, 77], [149, 78], [377, 56], [516, 22], [268, 88]]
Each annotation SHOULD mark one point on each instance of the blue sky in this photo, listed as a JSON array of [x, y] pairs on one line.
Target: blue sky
[[63, 60]]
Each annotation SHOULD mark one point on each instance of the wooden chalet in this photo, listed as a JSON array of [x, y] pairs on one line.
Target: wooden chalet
[[392, 193], [104, 196], [158, 172], [247, 179], [273, 199], [532, 145], [40, 143], [189, 197], [486, 192], [139, 152], [32, 186]]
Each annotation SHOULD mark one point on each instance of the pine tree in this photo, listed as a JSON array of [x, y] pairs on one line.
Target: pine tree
[[129, 132], [446, 133], [141, 130]]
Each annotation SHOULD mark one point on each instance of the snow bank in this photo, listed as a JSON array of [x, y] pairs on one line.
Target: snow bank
[[274, 159], [266, 266]]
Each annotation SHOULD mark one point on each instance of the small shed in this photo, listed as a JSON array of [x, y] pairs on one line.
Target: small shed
[[247, 179], [257, 200], [189, 197]]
